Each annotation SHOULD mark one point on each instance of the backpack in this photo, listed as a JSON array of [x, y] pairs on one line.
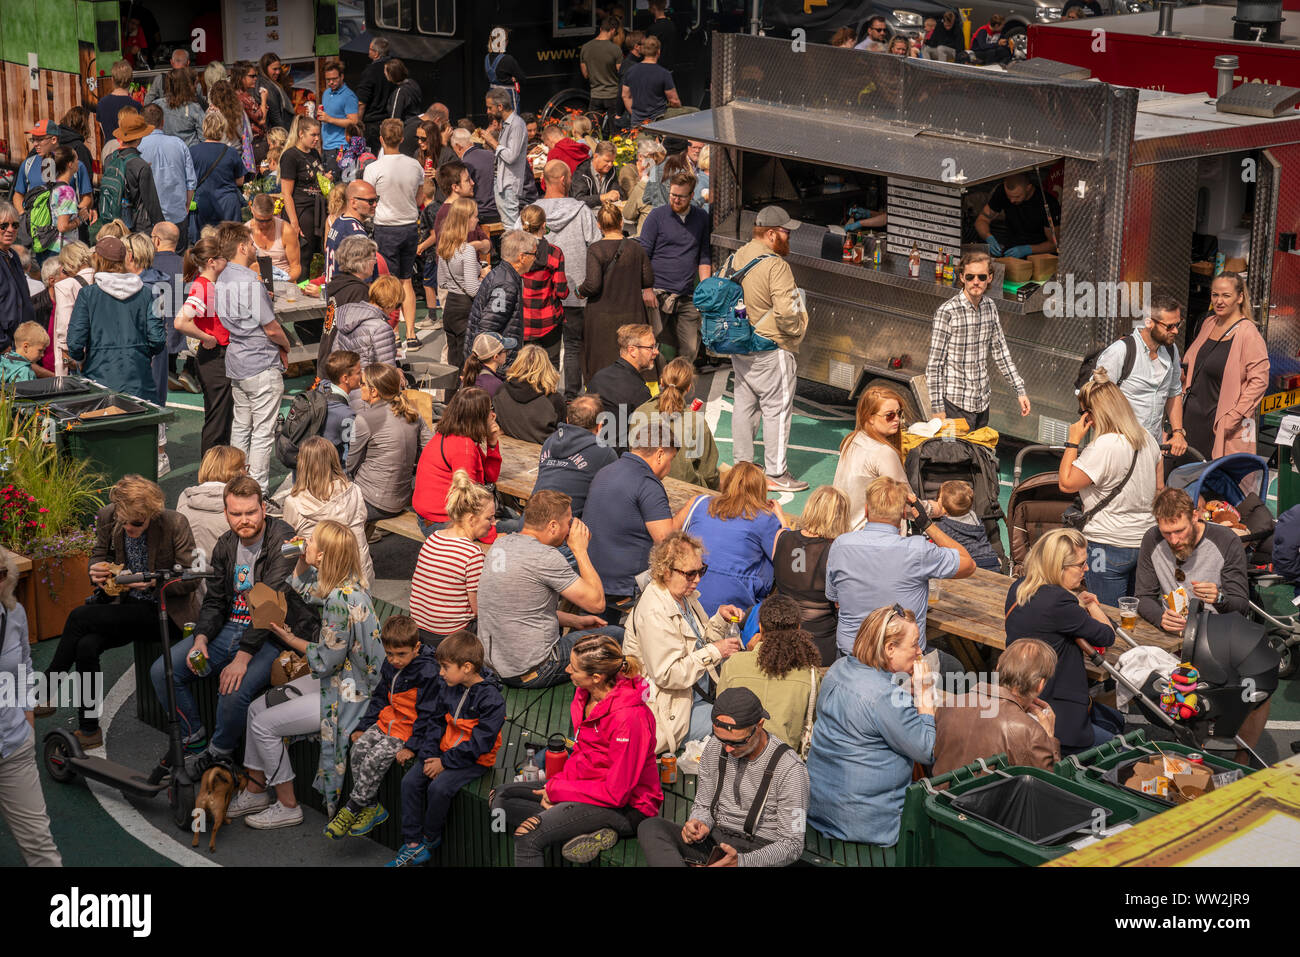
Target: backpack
[[112, 190], [38, 230], [1089, 363], [720, 329], [305, 418]]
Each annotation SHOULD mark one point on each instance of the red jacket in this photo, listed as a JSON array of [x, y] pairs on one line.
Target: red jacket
[[545, 289], [434, 472], [613, 762], [572, 152]]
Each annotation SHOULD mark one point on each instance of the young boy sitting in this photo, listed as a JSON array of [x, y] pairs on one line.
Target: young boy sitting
[[401, 706], [955, 500], [470, 713], [342, 379], [30, 343]]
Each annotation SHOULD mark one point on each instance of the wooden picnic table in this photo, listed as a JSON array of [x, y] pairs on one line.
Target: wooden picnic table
[[306, 309], [970, 611]]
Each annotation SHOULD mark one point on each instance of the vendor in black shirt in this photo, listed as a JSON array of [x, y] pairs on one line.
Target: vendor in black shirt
[[304, 203], [1015, 223]]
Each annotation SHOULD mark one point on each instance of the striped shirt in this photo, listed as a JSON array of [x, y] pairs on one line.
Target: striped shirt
[[781, 821], [958, 367], [446, 571]]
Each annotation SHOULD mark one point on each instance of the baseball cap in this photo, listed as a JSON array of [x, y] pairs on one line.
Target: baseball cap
[[111, 249], [740, 705], [45, 128], [774, 217], [488, 344]]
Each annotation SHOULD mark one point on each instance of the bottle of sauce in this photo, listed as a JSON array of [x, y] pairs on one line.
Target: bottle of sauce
[[938, 267], [848, 248], [914, 263], [947, 270]]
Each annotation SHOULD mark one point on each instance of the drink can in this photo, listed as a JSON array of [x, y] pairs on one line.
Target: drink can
[[1196, 757], [428, 165], [200, 662], [293, 548], [187, 631], [668, 769]]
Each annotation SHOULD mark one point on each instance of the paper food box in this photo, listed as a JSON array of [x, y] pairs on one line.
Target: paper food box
[[1174, 779]]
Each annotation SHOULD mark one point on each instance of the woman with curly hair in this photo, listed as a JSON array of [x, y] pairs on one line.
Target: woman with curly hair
[[223, 99], [782, 668]]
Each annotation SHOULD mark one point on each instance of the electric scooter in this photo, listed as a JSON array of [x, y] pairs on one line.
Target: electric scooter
[[65, 758]]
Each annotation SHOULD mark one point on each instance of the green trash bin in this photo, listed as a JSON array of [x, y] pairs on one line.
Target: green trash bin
[[39, 392], [1103, 765], [118, 444], [1011, 816]]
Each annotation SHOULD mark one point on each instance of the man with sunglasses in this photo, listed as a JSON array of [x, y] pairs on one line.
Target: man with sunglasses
[[15, 299], [1184, 551], [1145, 366], [751, 799], [877, 38], [966, 327], [360, 198]]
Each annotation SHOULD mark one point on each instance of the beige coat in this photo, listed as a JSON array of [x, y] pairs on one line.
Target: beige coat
[[347, 507], [661, 638], [774, 303]]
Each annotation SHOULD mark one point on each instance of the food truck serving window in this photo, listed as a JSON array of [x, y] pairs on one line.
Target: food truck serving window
[[573, 18], [436, 16], [393, 14]]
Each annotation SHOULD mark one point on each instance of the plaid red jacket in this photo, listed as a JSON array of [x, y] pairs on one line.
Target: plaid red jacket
[[545, 289]]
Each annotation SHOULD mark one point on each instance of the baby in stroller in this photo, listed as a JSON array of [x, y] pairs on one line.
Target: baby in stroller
[[963, 525]]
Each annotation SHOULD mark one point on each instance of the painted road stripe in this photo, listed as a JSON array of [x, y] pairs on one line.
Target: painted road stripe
[[120, 810], [720, 440]]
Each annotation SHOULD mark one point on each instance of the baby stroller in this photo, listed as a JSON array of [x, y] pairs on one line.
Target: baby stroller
[[940, 460]]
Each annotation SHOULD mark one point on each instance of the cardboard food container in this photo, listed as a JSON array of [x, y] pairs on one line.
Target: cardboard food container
[[1044, 265], [1173, 779], [1235, 264], [266, 606], [1176, 601], [1018, 270]]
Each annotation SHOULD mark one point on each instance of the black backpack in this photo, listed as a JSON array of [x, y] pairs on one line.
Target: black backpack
[[305, 418], [1089, 363]]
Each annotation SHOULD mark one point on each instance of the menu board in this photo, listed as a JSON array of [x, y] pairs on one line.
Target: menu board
[[925, 215], [253, 27]]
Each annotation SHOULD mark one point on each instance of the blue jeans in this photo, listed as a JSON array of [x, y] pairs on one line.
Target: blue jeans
[[426, 801], [1112, 572], [550, 672], [701, 719], [232, 709]]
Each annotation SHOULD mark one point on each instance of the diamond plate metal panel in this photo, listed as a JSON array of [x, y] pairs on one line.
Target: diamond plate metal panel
[[1283, 319], [1158, 240], [1237, 134], [1263, 229]]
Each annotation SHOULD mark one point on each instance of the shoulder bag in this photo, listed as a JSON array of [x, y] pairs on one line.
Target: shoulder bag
[[1076, 518]]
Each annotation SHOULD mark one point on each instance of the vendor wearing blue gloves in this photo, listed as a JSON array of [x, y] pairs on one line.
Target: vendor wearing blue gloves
[[1024, 218]]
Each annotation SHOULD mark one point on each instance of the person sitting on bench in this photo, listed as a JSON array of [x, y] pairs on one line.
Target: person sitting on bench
[[740, 818]]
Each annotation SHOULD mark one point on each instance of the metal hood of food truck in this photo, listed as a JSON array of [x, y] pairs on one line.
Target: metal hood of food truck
[[885, 149], [1172, 126]]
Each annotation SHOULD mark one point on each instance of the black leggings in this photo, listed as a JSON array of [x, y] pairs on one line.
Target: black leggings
[[218, 400], [309, 245], [455, 321], [557, 824], [92, 630]]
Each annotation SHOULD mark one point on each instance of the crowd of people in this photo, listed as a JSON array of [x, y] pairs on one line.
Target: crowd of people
[[771, 639]]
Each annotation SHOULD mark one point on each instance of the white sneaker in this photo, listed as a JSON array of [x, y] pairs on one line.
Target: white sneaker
[[277, 815], [164, 464], [246, 802]]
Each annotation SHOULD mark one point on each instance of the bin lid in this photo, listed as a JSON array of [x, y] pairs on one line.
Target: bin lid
[[888, 150], [1030, 808], [54, 387]]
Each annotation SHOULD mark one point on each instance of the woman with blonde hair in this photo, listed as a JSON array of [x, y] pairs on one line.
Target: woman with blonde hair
[[22, 805], [363, 327], [799, 565], [444, 588], [134, 532], [874, 448], [387, 437], [529, 405], [739, 530], [610, 783], [696, 461], [321, 491], [219, 167], [301, 169], [679, 643], [331, 699], [1117, 476], [1225, 374], [871, 728], [75, 260], [1049, 603], [203, 505], [459, 273]]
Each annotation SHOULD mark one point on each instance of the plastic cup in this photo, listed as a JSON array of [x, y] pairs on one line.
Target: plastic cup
[[1128, 614]]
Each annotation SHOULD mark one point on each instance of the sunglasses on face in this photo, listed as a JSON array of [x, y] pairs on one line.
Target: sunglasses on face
[[138, 523], [368, 199], [9, 224], [727, 742], [1170, 326], [693, 574], [972, 276], [890, 416]]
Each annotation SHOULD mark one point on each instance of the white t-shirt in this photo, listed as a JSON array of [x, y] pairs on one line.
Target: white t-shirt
[[397, 179], [1126, 519], [864, 461]]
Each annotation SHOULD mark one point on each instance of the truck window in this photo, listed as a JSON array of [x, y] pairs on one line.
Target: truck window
[[393, 14], [573, 18], [436, 16]]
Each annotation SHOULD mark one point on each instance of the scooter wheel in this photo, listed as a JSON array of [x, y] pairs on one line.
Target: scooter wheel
[[1289, 664], [182, 798], [58, 759]]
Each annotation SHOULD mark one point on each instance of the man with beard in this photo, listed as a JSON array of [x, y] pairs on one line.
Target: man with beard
[[1145, 366], [1184, 551], [360, 199], [511, 169]]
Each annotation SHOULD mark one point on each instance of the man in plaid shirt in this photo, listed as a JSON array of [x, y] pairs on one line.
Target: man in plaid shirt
[[965, 326]]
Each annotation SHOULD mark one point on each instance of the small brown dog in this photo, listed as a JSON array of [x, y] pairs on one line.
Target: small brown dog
[[218, 787]]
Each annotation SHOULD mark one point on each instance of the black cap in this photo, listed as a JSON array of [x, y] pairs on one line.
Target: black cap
[[740, 705]]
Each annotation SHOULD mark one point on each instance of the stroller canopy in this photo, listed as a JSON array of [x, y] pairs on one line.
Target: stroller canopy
[[1220, 478]]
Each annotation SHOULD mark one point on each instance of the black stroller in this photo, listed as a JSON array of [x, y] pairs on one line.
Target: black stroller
[[940, 460]]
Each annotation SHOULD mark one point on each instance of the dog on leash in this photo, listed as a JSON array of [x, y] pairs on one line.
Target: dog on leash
[[218, 787]]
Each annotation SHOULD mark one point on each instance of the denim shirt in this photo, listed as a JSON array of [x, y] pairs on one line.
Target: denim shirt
[[17, 680], [865, 739]]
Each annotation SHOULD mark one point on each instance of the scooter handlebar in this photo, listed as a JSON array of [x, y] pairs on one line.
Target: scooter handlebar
[[138, 578]]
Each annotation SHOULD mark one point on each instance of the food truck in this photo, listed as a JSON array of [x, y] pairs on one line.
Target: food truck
[[820, 130]]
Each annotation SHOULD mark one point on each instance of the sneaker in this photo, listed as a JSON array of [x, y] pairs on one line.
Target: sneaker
[[585, 848], [90, 739], [277, 815], [196, 764], [164, 464], [369, 819], [785, 483], [337, 828], [246, 802], [189, 383], [411, 855]]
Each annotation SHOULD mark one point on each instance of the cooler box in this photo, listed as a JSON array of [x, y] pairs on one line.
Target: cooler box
[[117, 442]]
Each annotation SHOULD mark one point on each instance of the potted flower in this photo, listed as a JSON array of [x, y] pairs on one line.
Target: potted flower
[[47, 507]]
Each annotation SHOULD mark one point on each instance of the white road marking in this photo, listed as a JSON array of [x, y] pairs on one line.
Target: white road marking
[[800, 448]]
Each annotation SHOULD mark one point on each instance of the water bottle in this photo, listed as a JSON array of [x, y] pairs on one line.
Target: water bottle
[[742, 315], [557, 752], [733, 631]]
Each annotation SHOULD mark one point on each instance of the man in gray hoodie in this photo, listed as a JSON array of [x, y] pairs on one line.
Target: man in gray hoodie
[[570, 225], [257, 353]]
